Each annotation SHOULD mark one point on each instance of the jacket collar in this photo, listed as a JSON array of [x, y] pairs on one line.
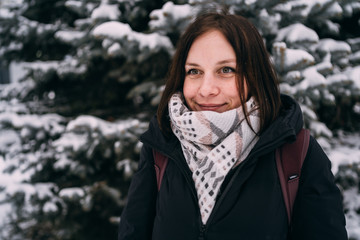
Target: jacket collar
[[283, 129], [157, 140]]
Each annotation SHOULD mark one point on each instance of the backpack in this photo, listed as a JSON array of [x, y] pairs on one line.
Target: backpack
[[289, 161]]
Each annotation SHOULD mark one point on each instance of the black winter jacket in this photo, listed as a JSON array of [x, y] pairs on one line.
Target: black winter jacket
[[250, 204]]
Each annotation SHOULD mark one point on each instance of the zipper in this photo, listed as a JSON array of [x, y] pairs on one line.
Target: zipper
[[202, 232]]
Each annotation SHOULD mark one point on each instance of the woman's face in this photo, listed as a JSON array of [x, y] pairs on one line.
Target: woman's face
[[210, 80]]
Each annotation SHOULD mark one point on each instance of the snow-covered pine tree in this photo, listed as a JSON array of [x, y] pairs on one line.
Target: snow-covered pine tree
[[94, 74], [72, 168]]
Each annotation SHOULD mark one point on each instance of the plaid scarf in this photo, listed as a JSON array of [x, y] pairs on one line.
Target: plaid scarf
[[212, 144]]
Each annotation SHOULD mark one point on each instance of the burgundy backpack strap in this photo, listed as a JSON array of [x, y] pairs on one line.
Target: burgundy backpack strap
[[160, 163], [289, 161]]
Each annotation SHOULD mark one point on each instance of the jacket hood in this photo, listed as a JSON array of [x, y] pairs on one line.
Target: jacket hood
[[283, 129], [157, 140]]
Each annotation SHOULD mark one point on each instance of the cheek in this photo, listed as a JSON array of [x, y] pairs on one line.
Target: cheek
[[233, 94], [235, 98], [188, 91], [236, 101]]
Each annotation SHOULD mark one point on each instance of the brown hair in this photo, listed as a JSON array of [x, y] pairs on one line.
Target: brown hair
[[252, 63]]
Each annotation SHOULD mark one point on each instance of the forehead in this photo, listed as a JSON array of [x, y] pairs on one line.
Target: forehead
[[211, 46]]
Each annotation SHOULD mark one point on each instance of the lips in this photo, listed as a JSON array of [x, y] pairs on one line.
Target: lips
[[211, 107]]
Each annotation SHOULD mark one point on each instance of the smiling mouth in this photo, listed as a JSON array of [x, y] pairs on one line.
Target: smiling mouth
[[210, 107]]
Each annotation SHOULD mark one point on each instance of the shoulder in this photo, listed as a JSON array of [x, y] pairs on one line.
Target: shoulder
[[316, 162], [316, 174], [318, 212]]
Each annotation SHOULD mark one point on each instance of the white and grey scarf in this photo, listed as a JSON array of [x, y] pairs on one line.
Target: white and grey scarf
[[212, 144]]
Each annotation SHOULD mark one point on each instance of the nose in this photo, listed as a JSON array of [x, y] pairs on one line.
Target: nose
[[209, 86]]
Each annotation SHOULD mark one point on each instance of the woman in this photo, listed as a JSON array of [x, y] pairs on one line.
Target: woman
[[219, 121]]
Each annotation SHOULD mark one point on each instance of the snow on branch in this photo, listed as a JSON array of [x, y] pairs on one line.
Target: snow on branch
[[349, 76], [69, 36], [328, 45], [122, 33], [171, 17], [297, 35], [287, 59], [106, 11]]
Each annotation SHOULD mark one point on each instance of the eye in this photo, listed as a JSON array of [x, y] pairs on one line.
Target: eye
[[227, 70], [193, 71]]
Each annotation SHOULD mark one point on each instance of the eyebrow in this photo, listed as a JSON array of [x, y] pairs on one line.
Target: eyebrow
[[218, 63], [226, 61]]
